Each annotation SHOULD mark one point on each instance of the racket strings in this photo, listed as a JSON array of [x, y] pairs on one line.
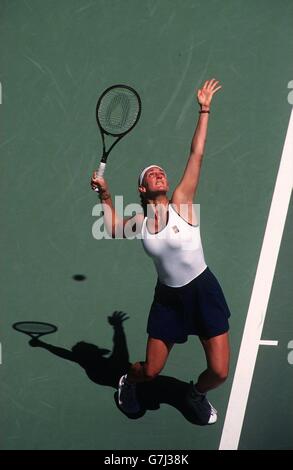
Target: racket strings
[[118, 111], [34, 327]]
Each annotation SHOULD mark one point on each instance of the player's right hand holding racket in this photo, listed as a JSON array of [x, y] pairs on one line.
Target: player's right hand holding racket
[[99, 184]]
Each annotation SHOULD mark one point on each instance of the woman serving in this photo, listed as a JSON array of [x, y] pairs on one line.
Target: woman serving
[[188, 299]]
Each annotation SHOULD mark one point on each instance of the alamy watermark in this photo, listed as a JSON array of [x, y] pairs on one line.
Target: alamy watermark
[[105, 227], [290, 94], [290, 354]]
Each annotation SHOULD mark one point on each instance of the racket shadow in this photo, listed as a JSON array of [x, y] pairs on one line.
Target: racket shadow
[[106, 371]]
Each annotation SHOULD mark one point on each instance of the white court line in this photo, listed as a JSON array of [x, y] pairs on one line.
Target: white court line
[[259, 297], [268, 342]]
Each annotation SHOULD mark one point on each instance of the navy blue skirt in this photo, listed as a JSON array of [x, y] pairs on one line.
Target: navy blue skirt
[[198, 308]]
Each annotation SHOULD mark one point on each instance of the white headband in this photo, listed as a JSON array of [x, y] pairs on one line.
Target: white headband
[[141, 176]]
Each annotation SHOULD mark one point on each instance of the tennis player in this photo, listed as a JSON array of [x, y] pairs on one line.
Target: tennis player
[[188, 299]]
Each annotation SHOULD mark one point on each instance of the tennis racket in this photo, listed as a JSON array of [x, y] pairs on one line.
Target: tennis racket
[[34, 329], [118, 111]]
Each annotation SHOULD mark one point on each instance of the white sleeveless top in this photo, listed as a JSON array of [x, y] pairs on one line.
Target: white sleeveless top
[[176, 250]]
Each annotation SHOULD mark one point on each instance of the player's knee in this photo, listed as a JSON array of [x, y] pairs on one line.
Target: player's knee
[[221, 374], [150, 372]]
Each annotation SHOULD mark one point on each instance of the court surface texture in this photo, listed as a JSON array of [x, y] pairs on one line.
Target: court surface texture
[[56, 59]]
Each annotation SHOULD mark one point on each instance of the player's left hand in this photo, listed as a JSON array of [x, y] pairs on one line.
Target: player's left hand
[[205, 94]]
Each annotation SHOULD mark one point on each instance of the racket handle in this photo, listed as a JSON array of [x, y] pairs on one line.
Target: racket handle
[[101, 169], [100, 172]]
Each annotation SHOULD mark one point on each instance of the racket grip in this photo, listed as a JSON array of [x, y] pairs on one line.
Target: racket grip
[[101, 169], [100, 172]]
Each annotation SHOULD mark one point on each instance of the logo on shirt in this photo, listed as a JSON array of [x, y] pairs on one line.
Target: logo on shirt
[[175, 229]]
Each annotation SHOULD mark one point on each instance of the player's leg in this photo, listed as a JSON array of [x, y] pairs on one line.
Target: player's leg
[[217, 354], [217, 351], [156, 356]]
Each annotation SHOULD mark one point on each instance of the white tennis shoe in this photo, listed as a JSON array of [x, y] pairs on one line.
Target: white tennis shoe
[[202, 408], [127, 398]]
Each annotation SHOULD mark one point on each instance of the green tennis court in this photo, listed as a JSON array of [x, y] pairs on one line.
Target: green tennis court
[[56, 59]]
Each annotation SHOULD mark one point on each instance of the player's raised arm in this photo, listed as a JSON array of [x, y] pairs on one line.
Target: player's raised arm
[[185, 191]]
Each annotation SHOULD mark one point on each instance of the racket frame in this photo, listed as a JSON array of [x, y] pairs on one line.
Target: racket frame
[[32, 334], [119, 136]]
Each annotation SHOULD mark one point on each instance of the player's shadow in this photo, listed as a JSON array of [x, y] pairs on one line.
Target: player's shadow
[[100, 367], [107, 370]]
